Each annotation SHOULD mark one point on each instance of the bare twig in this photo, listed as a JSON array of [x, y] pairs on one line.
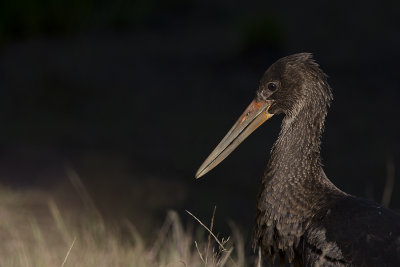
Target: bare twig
[[211, 233], [201, 256], [226, 257], [209, 236], [69, 251]]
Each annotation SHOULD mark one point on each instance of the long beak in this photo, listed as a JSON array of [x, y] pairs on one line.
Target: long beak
[[254, 115]]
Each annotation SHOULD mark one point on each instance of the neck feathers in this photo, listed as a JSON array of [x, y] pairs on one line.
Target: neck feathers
[[296, 153], [294, 184]]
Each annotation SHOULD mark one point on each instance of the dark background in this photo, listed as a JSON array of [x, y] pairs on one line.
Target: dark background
[[133, 95]]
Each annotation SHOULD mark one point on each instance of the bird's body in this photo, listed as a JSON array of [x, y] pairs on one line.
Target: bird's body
[[351, 231], [301, 215]]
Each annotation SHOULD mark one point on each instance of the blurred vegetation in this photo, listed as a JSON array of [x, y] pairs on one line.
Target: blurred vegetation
[[260, 32], [38, 230], [24, 18], [21, 19]]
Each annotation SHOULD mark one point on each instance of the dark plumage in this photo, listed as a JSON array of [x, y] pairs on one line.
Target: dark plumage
[[301, 215]]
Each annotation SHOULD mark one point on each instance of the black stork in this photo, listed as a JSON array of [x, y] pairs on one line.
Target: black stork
[[301, 215]]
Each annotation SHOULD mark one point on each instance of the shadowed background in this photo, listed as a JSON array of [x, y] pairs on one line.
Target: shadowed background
[[133, 95]]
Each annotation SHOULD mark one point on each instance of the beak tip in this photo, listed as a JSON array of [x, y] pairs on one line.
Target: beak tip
[[198, 174]]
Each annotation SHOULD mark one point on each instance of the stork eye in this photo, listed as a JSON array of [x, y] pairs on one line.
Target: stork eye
[[272, 86]]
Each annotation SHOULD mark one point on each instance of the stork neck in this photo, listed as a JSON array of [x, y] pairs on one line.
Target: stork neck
[[296, 153], [294, 184]]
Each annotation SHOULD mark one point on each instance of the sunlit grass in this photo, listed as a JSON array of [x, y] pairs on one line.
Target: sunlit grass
[[36, 231]]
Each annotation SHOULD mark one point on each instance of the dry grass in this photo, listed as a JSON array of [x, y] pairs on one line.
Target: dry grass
[[40, 233]]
